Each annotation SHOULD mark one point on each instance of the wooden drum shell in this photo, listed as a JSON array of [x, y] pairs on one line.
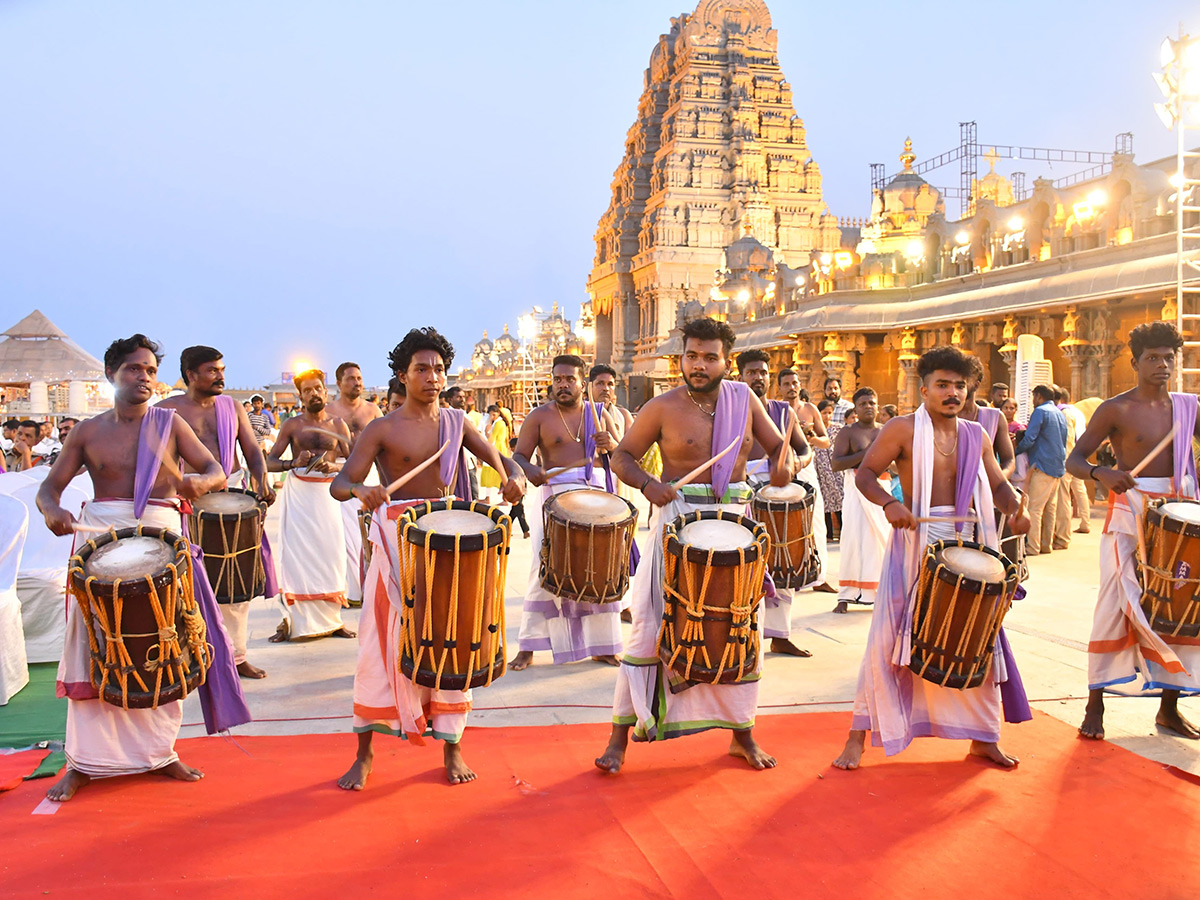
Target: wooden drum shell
[[1170, 586], [794, 562], [232, 546], [586, 562]]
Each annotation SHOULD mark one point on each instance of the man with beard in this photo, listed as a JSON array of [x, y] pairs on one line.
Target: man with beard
[[865, 529], [833, 393], [356, 412], [948, 472], [385, 700], [990, 418], [563, 432], [753, 370], [812, 427], [127, 451], [312, 557], [692, 424], [222, 426]]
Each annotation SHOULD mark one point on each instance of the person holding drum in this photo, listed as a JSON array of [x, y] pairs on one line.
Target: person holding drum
[[312, 554], [128, 453], [400, 445], [865, 529], [572, 608], [1150, 630], [223, 426], [777, 619], [944, 527], [705, 428]]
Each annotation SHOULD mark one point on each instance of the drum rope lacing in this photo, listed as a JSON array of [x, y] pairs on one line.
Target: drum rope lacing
[[229, 571], [555, 556], [743, 643], [1160, 584], [413, 649], [783, 566], [928, 611], [164, 656]]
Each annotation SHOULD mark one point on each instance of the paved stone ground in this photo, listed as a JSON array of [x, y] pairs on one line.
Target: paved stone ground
[[308, 689]]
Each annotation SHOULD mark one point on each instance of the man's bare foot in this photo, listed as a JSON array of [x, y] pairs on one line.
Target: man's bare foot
[[1170, 719], [843, 606], [355, 778], [457, 771], [744, 746], [786, 647], [608, 660], [64, 789], [825, 588], [282, 632], [613, 757], [344, 632], [626, 616], [246, 670], [1093, 717], [180, 771], [993, 752], [851, 754], [523, 660]]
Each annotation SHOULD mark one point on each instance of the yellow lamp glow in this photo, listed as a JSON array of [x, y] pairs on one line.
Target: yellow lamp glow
[[1016, 223]]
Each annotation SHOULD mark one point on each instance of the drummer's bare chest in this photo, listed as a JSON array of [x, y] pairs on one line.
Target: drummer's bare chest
[[560, 434], [112, 451], [687, 434], [306, 438]]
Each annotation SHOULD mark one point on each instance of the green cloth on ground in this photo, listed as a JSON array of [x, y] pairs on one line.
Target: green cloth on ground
[[34, 714], [50, 766]]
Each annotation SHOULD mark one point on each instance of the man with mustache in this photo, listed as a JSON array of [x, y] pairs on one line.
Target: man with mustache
[[948, 470], [222, 425], [563, 432], [753, 370], [312, 558], [692, 424]]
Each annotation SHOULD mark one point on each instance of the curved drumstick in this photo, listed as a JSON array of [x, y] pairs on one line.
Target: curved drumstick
[[787, 439], [690, 476], [325, 431], [1158, 448], [408, 476], [550, 473]]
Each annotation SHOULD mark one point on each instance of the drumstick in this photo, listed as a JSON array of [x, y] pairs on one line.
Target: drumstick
[[407, 477], [787, 439], [687, 479], [1158, 448], [592, 405], [333, 434], [89, 529], [969, 520], [550, 473]]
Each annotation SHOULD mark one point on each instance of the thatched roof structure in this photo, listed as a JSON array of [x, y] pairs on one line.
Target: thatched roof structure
[[35, 349]]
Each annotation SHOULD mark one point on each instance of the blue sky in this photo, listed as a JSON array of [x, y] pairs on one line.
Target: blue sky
[[309, 180]]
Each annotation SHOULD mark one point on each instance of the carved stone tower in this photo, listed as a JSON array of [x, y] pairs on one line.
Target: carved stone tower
[[717, 143]]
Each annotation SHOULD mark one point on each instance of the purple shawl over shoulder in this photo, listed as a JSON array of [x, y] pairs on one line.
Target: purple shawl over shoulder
[[733, 406], [453, 464], [221, 698]]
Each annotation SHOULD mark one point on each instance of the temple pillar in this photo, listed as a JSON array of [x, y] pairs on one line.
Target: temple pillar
[[1075, 350], [1103, 357]]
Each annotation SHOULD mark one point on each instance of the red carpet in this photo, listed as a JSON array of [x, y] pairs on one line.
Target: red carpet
[[683, 820]]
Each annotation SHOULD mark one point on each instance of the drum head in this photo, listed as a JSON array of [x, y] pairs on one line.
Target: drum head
[[788, 493], [225, 503], [1183, 512], [716, 534], [455, 521], [974, 564], [131, 557], [592, 507]]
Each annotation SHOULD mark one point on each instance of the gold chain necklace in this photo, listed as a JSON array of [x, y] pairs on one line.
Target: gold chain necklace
[[952, 450], [577, 436], [711, 415]]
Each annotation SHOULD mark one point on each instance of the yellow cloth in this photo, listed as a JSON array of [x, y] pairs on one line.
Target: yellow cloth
[[490, 478], [652, 461]]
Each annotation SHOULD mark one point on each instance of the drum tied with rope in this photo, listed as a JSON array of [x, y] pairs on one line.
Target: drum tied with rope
[[227, 526], [453, 565], [713, 581], [585, 551], [786, 511], [134, 589], [1171, 570]]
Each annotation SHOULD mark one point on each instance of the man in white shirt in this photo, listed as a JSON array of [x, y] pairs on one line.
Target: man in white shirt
[[1071, 488]]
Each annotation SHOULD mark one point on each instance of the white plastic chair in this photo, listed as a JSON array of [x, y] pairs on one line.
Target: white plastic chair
[[42, 579], [14, 667], [12, 481]]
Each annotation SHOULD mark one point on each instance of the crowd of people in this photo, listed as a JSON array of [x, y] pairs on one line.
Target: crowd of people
[[886, 486]]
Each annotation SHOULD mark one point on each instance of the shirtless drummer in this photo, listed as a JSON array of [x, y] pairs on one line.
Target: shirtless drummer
[[203, 371]]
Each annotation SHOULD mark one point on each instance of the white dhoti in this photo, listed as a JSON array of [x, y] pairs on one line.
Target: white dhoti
[[1122, 643], [809, 476], [571, 629], [352, 532], [644, 698], [312, 559], [777, 611], [384, 699], [104, 740], [865, 533]]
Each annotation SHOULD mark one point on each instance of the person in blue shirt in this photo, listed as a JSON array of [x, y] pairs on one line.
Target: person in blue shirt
[[1045, 441]]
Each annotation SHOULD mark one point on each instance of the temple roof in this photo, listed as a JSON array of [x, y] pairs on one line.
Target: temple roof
[[35, 349]]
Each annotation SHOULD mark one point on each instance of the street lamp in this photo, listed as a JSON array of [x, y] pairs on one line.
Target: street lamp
[[1179, 82]]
